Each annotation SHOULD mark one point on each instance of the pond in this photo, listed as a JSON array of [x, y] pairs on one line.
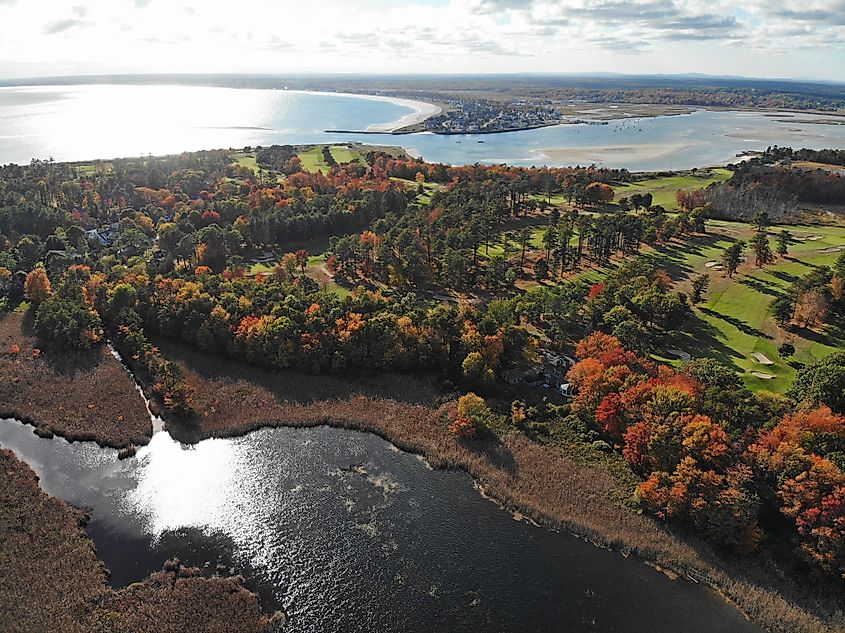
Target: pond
[[347, 533]]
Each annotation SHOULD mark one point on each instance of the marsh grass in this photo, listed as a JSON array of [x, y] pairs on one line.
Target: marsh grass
[[562, 484], [80, 396], [52, 580]]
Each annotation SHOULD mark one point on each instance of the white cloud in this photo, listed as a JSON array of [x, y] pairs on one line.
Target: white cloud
[[759, 37]]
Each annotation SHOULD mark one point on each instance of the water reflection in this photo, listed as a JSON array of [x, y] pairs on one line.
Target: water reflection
[[105, 121], [348, 534]]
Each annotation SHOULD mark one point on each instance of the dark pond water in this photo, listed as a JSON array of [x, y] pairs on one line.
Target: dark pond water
[[347, 533]]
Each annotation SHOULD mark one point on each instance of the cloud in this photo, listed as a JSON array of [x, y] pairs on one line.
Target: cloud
[[498, 6], [829, 13], [60, 26], [718, 36], [621, 45]]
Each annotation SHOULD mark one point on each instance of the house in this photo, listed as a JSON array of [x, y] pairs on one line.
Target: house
[[534, 377], [93, 234], [513, 376], [558, 361]]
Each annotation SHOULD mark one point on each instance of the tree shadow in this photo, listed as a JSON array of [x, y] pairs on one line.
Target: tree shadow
[[742, 326], [70, 363], [784, 276], [832, 335], [795, 260], [761, 286], [298, 386], [700, 339], [490, 449], [674, 255]]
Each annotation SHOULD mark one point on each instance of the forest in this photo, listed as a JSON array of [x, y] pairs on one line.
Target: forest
[[635, 89], [391, 264]]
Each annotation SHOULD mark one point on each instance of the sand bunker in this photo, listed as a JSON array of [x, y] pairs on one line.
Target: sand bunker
[[762, 358], [760, 374]]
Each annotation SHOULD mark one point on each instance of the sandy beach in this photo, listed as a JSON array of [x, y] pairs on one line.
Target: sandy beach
[[421, 112], [600, 154]]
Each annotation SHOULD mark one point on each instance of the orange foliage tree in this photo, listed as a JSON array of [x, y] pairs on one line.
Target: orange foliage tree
[[37, 286]]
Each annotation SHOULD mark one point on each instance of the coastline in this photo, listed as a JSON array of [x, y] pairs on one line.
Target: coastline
[[421, 110]]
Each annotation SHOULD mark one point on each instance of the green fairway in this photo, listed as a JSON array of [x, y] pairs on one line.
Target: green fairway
[[87, 170], [429, 188], [663, 190], [247, 160], [258, 267], [343, 154], [734, 321], [312, 159], [496, 248]]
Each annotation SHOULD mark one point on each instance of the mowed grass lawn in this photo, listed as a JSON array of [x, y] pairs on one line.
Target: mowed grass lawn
[[496, 248], [734, 321], [663, 190], [314, 269], [246, 159], [312, 159]]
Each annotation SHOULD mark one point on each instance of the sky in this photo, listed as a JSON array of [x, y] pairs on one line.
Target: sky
[[757, 38]]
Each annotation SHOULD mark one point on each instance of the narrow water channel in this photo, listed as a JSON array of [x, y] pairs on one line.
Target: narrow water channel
[[347, 533]]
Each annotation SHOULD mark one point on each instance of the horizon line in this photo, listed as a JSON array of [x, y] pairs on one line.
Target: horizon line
[[12, 80]]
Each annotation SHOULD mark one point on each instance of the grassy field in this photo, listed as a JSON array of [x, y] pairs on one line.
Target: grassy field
[[247, 159], [663, 189], [428, 189], [734, 321], [314, 269], [312, 159], [806, 164], [496, 248]]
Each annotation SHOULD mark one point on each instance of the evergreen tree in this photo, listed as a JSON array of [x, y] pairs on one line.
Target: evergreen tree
[[732, 257], [699, 287], [783, 242], [762, 252]]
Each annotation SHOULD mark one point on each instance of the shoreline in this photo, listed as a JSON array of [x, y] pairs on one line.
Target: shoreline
[[56, 581], [404, 131], [364, 405], [758, 140], [420, 110], [546, 485], [574, 492], [597, 116], [73, 407]]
